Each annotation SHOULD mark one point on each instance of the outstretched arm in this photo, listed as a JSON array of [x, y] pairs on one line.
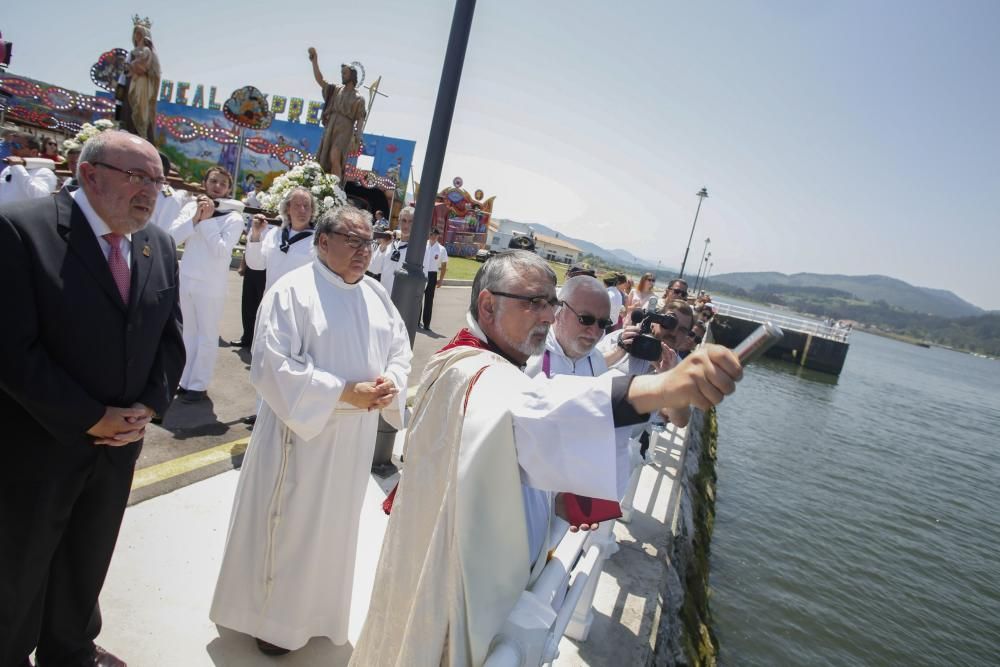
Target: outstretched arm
[[315, 63]]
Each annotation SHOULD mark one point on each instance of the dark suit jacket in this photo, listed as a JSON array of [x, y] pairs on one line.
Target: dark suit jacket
[[69, 346]]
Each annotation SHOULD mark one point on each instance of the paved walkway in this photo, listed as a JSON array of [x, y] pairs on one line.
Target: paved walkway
[[155, 602]]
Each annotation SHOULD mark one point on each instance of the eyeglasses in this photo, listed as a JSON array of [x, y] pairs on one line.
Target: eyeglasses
[[589, 320], [355, 241], [134, 177], [537, 302], [682, 292]]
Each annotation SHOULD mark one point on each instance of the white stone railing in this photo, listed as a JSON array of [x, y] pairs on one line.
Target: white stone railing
[[560, 602]]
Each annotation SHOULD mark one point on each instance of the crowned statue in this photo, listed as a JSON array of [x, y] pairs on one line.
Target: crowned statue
[[142, 82], [343, 116]]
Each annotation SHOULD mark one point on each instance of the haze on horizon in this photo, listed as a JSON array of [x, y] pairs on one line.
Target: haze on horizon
[[851, 137]]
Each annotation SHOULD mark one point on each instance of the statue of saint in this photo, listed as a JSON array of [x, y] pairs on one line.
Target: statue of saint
[[343, 117], [143, 82]]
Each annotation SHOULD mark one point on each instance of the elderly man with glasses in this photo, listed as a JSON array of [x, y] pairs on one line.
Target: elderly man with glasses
[[91, 351], [458, 551], [330, 352]]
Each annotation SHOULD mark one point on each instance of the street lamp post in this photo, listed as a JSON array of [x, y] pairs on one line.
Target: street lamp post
[[701, 197], [408, 288], [701, 263], [708, 272], [698, 281]]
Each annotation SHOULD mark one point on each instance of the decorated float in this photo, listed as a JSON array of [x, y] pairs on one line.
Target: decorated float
[[463, 219]]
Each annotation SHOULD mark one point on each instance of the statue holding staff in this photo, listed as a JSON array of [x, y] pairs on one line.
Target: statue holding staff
[[343, 116]]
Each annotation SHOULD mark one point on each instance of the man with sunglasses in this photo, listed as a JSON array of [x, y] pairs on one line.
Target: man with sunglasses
[[330, 352], [18, 182], [457, 553], [677, 289], [91, 351]]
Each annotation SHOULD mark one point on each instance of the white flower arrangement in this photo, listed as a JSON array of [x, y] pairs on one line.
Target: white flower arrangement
[[325, 187], [88, 131]]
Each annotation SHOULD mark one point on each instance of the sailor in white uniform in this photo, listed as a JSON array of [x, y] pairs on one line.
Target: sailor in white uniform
[[208, 239]]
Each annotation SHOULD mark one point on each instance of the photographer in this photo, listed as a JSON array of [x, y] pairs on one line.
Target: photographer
[[648, 344]]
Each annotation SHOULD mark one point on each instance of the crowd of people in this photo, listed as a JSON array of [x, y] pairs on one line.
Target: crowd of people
[[531, 404]]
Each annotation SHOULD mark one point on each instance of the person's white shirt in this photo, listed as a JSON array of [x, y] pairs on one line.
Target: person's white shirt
[[538, 504], [169, 203], [20, 184], [208, 245], [266, 254], [617, 302], [434, 257], [390, 265], [379, 255]]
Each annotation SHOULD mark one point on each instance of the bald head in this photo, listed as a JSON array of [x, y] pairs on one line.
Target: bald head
[[112, 170]]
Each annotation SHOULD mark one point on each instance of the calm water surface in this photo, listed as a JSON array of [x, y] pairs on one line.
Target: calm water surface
[[859, 518]]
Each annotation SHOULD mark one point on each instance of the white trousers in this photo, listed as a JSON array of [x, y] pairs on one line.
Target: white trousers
[[201, 309]]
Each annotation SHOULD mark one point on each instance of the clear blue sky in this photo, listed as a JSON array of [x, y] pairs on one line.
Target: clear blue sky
[[847, 137]]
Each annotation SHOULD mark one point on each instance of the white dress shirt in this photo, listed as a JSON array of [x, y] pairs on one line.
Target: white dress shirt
[[434, 257], [208, 245], [266, 254]]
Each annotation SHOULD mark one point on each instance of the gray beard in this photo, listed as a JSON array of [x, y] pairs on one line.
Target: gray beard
[[526, 347]]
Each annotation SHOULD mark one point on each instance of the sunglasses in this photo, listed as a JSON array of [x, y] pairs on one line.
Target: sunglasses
[[682, 292], [589, 320]]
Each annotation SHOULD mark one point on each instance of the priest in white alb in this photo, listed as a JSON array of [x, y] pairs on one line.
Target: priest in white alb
[[456, 553], [330, 352]]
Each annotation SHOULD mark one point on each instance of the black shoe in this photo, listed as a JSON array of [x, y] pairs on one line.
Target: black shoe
[[239, 343], [252, 419], [192, 396], [268, 648]]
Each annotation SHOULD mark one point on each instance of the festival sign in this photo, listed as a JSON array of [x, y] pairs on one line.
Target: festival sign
[[196, 139], [197, 136]]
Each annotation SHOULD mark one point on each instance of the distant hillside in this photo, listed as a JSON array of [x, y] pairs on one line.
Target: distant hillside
[[622, 258], [866, 288]]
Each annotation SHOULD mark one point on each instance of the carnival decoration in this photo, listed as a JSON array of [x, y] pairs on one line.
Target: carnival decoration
[[325, 188], [108, 68], [247, 107], [464, 218]]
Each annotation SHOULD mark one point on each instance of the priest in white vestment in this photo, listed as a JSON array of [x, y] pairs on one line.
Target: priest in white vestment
[[456, 554], [330, 352]]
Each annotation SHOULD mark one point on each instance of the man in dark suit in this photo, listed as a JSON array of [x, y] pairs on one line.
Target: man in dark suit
[[90, 351]]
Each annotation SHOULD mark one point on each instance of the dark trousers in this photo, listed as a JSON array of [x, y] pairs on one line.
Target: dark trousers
[[254, 282], [432, 278], [60, 511]]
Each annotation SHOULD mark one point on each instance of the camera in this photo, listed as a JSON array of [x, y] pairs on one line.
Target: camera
[[645, 346]]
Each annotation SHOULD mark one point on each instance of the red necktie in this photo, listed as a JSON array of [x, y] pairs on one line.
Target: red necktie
[[116, 262]]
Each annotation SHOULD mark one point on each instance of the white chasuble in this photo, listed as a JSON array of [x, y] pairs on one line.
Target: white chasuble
[[288, 568], [455, 558]]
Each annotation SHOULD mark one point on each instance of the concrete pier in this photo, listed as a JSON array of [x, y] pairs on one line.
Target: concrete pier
[[807, 343]]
